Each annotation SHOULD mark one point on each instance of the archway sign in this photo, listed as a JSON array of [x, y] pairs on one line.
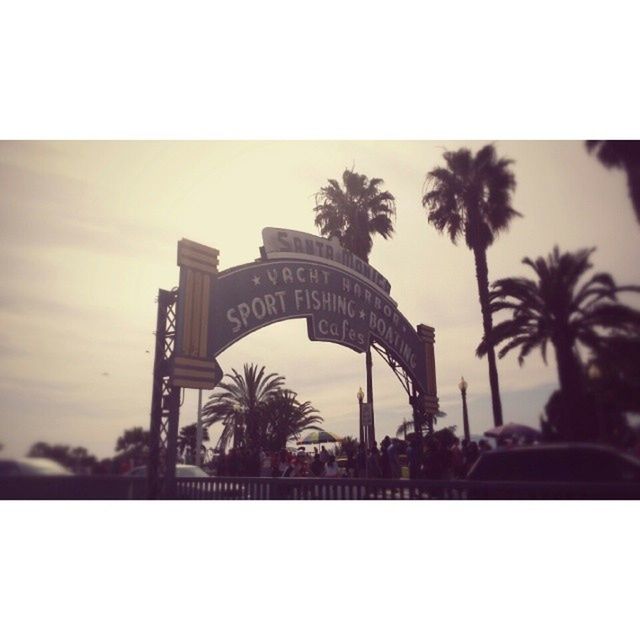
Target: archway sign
[[343, 299]]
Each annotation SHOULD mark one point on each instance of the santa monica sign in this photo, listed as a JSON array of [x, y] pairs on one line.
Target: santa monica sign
[[343, 299]]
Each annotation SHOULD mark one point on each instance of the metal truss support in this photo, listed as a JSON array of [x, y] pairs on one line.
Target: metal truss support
[[165, 403], [397, 368], [420, 416]]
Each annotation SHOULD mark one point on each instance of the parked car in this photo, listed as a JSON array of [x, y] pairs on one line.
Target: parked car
[[556, 463], [32, 467], [182, 471]]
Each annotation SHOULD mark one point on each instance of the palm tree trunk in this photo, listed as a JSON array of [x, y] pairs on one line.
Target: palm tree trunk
[[482, 277], [574, 418], [633, 181]]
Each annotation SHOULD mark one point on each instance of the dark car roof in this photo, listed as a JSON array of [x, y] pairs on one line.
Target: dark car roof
[[555, 462], [562, 446]]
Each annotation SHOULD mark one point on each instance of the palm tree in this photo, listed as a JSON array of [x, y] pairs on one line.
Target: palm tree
[[558, 308], [355, 212], [624, 154], [283, 417], [471, 197], [187, 442], [407, 426], [134, 437], [237, 402]]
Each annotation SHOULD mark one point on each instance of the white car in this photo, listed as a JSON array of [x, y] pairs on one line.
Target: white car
[[182, 471], [32, 467]]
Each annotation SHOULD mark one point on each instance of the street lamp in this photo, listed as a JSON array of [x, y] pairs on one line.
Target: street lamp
[[594, 373], [465, 416], [360, 396]]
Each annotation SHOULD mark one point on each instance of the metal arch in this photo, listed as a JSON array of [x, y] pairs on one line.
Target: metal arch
[[420, 418], [397, 368]]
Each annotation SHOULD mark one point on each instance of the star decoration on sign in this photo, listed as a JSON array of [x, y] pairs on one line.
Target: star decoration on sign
[[362, 315], [256, 280]]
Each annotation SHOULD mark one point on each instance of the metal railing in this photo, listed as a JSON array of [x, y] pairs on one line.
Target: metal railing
[[73, 488], [214, 488], [369, 489]]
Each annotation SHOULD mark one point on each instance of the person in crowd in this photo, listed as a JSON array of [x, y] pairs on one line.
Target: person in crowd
[[324, 455], [374, 462], [385, 463], [316, 466], [361, 461], [299, 468], [265, 464], [484, 446], [394, 460], [472, 453], [232, 462], [414, 457], [221, 467], [351, 464], [331, 468], [456, 460]]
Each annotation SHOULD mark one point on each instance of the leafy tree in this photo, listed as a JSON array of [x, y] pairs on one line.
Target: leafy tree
[[561, 308], [618, 359], [470, 197], [236, 403], [346, 446], [78, 459], [443, 437], [131, 438], [355, 212], [282, 417], [621, 154], [408, 426], [187, 442]]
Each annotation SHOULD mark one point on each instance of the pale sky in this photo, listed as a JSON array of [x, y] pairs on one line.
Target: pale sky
[[88, 232]]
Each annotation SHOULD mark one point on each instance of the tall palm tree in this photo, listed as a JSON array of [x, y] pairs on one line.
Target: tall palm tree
[[471, 197], [187, 438], [408, 426], [236, 403], [562, 309], [283, 417], [355, 212], [621, 154]]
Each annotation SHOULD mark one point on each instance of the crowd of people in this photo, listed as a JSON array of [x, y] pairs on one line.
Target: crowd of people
[[277, 464], [429, 458]]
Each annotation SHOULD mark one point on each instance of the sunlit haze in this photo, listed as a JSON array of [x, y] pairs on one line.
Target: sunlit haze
[[89, 233]]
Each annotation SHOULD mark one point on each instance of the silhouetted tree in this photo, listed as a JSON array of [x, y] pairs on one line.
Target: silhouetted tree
[[77, 459], [621, 154], [236, 403], [408, 426], [282, 417], [134, 437], [558, 309], [355, 212], [471, 198], [345, 446], [187, 440]]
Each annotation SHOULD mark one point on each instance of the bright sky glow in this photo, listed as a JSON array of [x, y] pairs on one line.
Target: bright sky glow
[[88, 233]]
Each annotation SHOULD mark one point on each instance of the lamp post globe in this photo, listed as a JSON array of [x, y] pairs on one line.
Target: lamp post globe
[[593, 371]]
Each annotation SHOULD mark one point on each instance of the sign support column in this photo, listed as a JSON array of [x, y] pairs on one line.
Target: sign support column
[[371, 432]]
